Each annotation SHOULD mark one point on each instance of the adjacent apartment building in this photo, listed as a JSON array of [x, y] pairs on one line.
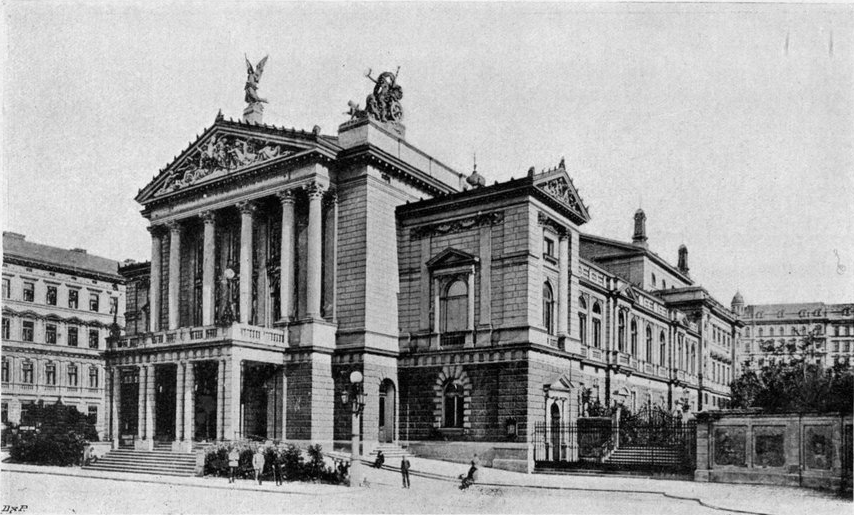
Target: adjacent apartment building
[[58, 309], [830, 325]]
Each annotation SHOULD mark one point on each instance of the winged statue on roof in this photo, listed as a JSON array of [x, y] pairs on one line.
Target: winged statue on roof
[[253, 75]]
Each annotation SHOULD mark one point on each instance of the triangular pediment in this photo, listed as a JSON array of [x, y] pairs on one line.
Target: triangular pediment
[[561, 384], [224, 149], [557, 184], [451, 257]]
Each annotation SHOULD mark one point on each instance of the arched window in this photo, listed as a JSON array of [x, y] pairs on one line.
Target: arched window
[[634, 338], [621, 332], [597, 325], [582, 320], [662, 349], [680, 362], [453, 399], [770, 331], [454, 306], [760, 331], [747, 332], [548, 308], [648, 355]]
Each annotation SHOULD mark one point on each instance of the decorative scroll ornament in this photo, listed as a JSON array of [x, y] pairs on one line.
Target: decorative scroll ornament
[[453, 226], [218, 156], [383, 105]]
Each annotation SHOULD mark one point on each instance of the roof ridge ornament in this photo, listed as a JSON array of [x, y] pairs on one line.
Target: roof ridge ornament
[[254, 111], [383, 104]]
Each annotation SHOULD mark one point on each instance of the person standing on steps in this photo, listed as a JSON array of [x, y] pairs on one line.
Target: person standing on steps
[[233, 462], [404, 471]]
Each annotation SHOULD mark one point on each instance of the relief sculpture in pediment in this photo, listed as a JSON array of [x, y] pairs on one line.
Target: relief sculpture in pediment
[[559, 189], [220, 155]]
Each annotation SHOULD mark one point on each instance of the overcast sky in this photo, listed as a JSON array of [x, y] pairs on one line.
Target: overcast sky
[[732, 126]]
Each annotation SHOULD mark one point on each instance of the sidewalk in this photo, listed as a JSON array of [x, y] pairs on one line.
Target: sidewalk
[[752, 499], [731, 497]]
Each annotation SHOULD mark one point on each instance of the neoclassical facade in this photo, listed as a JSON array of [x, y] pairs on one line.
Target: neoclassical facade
[[58, 309], [282, 260]]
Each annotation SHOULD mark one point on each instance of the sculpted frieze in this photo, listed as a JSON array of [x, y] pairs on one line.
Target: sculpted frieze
[[218, 156], [559, 189], [459, 225]]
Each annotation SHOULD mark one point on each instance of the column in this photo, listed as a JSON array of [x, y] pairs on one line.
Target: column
[[208, 289], [563, 286], [179, 402], [140, 415], [149, 404], [330, 258], [284, 402], [313, 265], [116, 385], [190, 404], [154, 292], [174, 273], [286, 255], [246, 212], [220, 400], [236, 369]]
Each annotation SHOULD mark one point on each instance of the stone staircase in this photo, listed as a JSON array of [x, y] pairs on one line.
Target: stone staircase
[[161, 461], [645, 454], [392, 451]]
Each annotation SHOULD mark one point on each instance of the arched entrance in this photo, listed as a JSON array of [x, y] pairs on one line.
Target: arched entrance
[[555, 422], [386, 411]]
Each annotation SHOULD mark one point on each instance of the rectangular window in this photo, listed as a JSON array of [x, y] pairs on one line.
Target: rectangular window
[[7, 289], [72, 375], [548, 247], [6, 328], [72, 337], [5, 370], [846, 346], [93, 338], [93, 377], [93, 301], [50, 297], [50, 374], [835, 346], [27, 329], [114, 305], [50, 333], [27, 412], [29, 292], [73, 298], [93, 414], [4, 414], [27, 369]]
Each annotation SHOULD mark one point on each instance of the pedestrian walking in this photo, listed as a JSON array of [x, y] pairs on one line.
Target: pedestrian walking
[[233, 462], [404, 471], [258, 463]]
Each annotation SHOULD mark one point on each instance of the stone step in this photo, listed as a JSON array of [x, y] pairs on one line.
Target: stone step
[[161, 461]]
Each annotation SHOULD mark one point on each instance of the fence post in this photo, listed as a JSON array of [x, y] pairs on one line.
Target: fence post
[[704, 460]]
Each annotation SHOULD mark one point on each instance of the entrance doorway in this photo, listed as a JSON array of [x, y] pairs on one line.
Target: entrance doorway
[[259, 395], [205, 391], [165, 383], [555, 420], [128, 407], [386, 408]]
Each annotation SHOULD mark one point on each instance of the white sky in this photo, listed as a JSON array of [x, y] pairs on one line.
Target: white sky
[[733, 142]]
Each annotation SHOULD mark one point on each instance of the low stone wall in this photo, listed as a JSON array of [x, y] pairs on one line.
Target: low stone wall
[[505, 456], [750, 446]]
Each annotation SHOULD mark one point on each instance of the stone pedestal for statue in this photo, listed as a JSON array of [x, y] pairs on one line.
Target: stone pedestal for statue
[[254, 113]]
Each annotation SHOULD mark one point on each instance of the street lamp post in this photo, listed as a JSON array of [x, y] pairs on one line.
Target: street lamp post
[[356, 398]]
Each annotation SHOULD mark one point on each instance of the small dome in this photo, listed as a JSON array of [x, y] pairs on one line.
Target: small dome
[[475, 180], [738, 299]]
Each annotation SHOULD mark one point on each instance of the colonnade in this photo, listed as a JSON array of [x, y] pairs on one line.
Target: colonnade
[[287, 257]]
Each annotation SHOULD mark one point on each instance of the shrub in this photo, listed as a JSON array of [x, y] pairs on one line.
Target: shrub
[[60, 437]]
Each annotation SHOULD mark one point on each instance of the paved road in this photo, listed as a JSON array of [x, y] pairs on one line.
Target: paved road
[[48, 493]]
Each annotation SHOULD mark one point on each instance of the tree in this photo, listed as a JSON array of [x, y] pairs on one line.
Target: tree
[[790, 379], [60, 437]]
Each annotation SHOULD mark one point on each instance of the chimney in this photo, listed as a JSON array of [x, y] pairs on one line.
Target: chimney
[[639, 238], [683, 259]]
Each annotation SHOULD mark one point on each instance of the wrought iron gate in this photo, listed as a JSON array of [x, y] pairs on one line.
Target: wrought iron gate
[[653, 442]]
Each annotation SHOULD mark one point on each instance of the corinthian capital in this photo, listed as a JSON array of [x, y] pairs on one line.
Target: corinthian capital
[[247, 207], [174, 226], [286, 196], [314, 190], [208, 217]]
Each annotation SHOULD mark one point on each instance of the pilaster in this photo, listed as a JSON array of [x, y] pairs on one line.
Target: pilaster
[[190, 405], [179, 402], [563, 286], [154, 288]]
